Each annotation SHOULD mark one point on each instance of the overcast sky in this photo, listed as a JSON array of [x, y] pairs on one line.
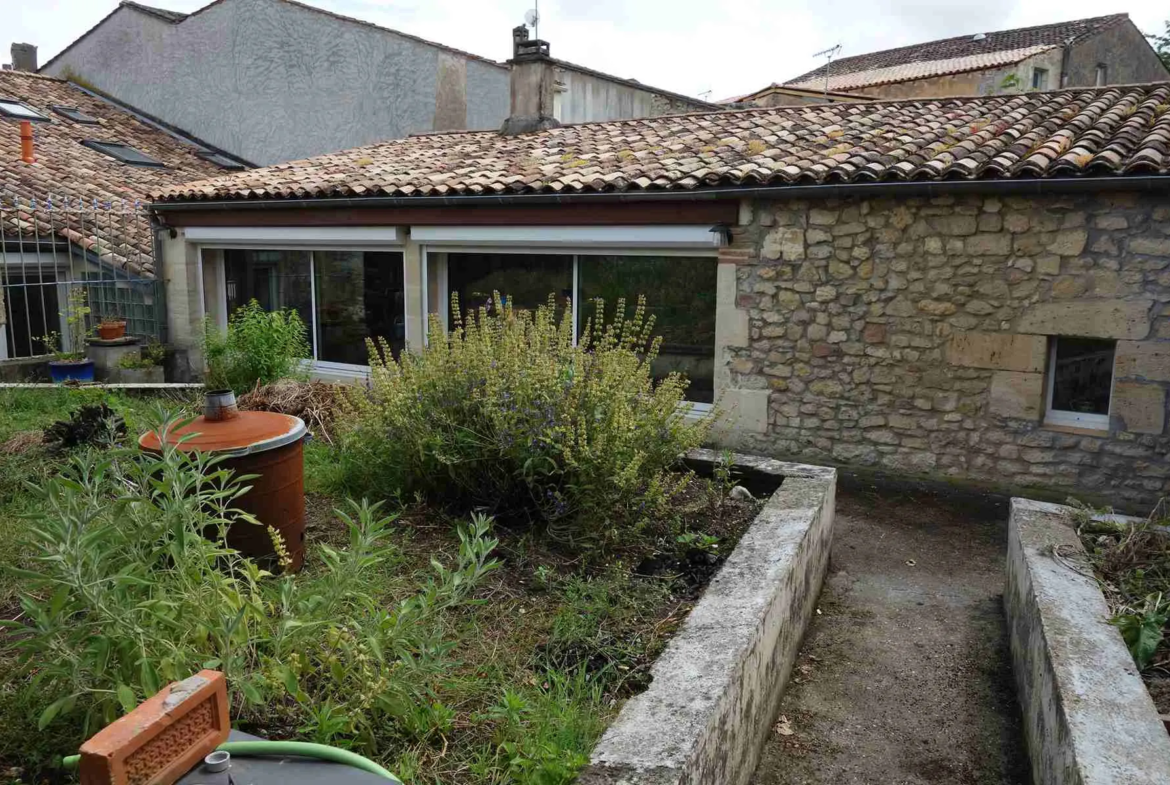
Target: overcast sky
[[716, 47]]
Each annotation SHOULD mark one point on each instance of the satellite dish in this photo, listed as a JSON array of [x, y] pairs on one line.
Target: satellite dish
[[532, 17]]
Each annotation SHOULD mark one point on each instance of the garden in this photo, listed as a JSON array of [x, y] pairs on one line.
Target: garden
[[1131, 562], [500, 539]]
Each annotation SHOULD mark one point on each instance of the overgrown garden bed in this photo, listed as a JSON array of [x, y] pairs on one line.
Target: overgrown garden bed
[[1131, 560], [527, 543]]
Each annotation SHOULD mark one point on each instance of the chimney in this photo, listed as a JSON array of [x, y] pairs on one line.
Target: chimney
[[26, 143], [24, 57], [532, 74]]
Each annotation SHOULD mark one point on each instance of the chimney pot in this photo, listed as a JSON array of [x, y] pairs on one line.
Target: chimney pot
[[533, 85], [26, 142], [24, 57]]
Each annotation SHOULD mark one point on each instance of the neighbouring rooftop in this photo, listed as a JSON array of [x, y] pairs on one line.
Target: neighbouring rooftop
[[1110, 131], [87, 148], [972, 52]]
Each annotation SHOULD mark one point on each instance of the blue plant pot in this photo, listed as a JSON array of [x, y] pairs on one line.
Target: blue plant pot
[[77, 371]]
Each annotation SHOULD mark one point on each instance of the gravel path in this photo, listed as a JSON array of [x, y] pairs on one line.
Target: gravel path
[[905, 676]]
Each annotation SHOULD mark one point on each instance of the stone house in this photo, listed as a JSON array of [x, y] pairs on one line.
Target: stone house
[[975, 289], [1101, 51], [278, 80]]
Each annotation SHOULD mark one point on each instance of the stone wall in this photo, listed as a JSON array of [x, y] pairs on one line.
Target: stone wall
[[911, 334]]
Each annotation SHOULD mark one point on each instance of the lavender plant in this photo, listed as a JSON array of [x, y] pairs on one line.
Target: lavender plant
[[509, 413]]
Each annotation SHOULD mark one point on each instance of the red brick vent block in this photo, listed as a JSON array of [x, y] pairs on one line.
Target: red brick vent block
[[163, 738]]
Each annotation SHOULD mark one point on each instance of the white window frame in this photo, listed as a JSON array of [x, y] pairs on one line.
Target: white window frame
[[1039, 75], [1067, 419]]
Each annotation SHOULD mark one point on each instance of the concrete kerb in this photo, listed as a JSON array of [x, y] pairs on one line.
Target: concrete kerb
[[1088, 718], [717, 687]]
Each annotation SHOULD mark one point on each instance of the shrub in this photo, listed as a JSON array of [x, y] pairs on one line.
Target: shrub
[[258, 348], [125, 594], [152, 355], [506, 413]]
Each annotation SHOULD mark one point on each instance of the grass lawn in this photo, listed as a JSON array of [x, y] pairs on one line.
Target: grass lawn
[[538, 663]]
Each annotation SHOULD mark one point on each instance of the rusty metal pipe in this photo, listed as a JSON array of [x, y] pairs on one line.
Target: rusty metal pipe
[[220, 405], [27, 150]]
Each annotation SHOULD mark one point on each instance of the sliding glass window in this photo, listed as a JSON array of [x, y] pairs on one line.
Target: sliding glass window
[[680, 295], [275, 279], [526, 280], [359, 296], [679, 290], [343, 297]]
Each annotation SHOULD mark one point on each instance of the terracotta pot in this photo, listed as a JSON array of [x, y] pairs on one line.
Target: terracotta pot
[[108, 331]]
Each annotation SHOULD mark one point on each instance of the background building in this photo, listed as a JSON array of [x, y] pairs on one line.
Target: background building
[[1082, 53], [278, 80]]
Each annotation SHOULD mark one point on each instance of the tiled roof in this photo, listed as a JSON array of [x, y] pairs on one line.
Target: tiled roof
[[923, 69], [1095, 131], [951, 55], [167, 16], [788, 89], [67, 169]]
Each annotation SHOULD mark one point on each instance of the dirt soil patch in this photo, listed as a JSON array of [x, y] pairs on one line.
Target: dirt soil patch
[[905, 675]]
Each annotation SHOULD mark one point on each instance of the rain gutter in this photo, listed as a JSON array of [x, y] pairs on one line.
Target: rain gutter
[[829, 190]]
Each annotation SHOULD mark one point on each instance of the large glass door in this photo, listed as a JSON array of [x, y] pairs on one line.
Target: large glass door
[[344, 297]]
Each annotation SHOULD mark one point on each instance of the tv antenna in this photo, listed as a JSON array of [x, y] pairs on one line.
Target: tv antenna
[[828, 54], [532, 19]]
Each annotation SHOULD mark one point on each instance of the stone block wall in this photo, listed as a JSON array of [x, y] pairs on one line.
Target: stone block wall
[[912, 335]]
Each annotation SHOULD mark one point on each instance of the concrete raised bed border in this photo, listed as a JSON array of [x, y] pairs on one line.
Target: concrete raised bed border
[[717, 687], [1088, 719]]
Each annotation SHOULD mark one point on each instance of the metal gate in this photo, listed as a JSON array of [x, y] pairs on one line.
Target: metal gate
[[54, 246]]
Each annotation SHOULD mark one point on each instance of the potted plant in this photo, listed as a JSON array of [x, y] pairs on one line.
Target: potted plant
[[71, 365], [111, 328], [144, 368]]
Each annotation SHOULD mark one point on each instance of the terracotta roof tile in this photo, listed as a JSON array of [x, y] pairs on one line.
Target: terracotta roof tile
[[950, 55], [1069, 133], [67, 170], [921, 69]]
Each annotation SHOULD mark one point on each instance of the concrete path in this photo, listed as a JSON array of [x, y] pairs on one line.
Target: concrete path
[[905, 677]]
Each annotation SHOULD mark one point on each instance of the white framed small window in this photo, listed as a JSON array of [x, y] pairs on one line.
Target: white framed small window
[[1080, 382], [1039, 78], [1102, 74]]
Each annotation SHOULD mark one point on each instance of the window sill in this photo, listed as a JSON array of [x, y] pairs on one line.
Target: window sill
[[1077, 430]]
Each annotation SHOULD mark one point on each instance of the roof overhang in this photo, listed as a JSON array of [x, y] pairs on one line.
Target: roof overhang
[[1160, 183]]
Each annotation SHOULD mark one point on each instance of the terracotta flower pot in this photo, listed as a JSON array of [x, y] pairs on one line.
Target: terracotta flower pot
[[108, 331]]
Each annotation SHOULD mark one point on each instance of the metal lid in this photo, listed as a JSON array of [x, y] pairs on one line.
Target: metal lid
[[250, 432]]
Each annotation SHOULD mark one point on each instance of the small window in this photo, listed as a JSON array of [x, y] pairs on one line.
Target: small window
[[1080, 382], [1039, 78], [1102, 74], [75, 114], [220, 160], [123, 153], [19, 110]]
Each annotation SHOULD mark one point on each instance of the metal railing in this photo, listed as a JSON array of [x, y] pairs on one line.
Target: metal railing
[[52, 246]]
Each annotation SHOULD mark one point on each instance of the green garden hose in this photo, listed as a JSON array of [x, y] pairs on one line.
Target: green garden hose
[[298, 748]]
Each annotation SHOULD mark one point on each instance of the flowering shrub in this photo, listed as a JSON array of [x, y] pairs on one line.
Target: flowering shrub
[[507, 413]]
